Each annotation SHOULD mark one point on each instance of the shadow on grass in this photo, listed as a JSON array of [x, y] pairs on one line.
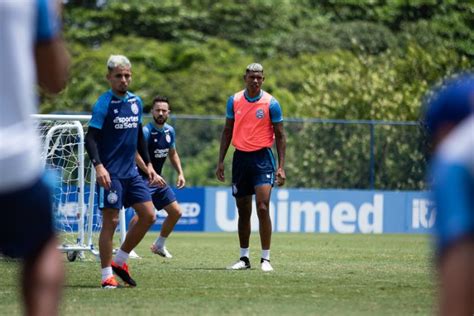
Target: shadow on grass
[[205, 269]]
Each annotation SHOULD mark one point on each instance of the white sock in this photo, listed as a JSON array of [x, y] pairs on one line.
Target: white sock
[[121, 257], [160, 242], [266, 254], [245, 252], [106, 272]]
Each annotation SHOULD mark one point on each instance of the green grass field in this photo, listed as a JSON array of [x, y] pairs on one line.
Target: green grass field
[[315, 274]]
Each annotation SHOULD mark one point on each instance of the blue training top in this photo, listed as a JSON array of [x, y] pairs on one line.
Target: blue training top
[[159, 143], [118, 119], [452, 170]]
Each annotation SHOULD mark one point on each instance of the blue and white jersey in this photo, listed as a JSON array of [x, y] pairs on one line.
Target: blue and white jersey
[[452, 171], [118, 119], [159, 141], [22, 24]]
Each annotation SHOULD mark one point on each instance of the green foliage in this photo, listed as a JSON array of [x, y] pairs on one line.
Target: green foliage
[[332, 59]]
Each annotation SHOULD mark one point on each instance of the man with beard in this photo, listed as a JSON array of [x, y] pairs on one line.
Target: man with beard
[[161, 143], [253, 121], [114, 136]]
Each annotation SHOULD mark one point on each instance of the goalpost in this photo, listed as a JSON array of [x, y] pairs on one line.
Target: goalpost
[[76, 215]]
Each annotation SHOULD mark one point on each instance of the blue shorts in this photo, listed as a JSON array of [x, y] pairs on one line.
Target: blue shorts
[[251, 169], [124, 193], [162, 197], [26, 223]]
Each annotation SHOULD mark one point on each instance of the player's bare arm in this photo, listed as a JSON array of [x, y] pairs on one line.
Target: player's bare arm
[[176, 162], [142, 149], [102, 175], [150, 171], [280, 138], [224, 146], [52, 64]]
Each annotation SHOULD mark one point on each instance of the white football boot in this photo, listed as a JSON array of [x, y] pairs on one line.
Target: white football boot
[[161, 251], [266, 266], [242, 264]]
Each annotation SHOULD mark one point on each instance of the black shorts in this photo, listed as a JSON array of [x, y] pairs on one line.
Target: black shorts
[[251, 169], [26, 222]]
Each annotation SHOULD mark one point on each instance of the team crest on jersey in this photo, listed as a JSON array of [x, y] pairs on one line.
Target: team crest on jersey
[[112, 197], [168, 138], [234, 189], [134, 108], [260, 114]]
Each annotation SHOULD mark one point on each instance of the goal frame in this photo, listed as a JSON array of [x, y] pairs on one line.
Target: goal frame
[[84, 241]]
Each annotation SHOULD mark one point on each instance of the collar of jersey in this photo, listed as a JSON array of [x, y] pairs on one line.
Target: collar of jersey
[[253, 99], [157, 128], [125, 97]]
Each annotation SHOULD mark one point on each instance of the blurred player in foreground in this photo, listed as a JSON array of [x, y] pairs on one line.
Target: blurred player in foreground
[[450, 120], [253, 120], [114, 136], [161, 139], [32, 52]]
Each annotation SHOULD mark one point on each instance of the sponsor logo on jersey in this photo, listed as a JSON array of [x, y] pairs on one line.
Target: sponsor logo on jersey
[[161, 153], [126, 122], [259, 114], [115, 101], [112, 197]]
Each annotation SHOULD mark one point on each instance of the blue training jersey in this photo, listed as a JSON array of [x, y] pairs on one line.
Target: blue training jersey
[[118, 119], [452, 170], [159, 141]]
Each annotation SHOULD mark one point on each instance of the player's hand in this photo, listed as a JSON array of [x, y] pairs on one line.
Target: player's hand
[[180, 182], [154, 178], [280, 177], [220, 172], [102, 176], [158, 181]]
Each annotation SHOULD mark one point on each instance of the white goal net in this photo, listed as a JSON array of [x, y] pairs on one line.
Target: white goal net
[[77, 218]]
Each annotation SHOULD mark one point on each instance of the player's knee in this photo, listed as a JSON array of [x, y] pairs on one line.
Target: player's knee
[[262, 210], [114, 222], [148, 218]]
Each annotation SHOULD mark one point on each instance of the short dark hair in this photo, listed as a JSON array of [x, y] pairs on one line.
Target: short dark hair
[[160, 98]]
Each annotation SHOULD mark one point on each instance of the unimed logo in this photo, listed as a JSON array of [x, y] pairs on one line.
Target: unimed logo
[[291, 215], [423, 213]]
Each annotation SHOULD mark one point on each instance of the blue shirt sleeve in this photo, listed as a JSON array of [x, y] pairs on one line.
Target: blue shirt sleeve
[[454, 196], [48, 23], [140, 114], [173, 138], [230, 108], [99, 111], [146, 132], [275, 111]]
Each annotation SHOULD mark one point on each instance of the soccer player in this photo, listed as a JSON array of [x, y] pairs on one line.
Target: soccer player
[[253, 120], [161, 139], [114, 136], [32, 52], [450, 120]]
